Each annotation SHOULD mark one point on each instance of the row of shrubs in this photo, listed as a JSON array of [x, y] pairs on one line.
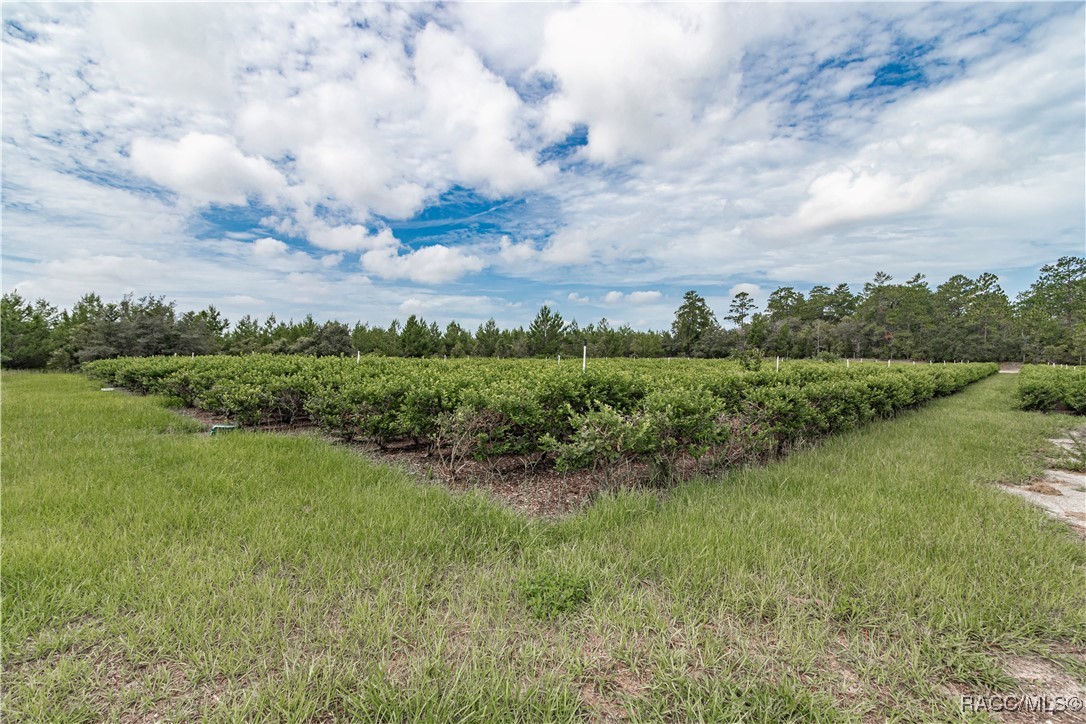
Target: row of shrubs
[[1047, 388], [658, 416]]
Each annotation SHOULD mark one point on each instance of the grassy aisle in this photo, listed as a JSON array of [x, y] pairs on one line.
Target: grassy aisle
[[151, 570]]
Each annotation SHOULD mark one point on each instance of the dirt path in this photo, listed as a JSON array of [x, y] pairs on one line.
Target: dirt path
[[1062, 493]]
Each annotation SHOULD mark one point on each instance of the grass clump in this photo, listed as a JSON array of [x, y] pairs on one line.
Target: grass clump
[[549, 594]]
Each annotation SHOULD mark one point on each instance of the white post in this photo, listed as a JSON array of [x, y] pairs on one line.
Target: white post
[[887, 361], [358, 356], [559, 359], [778, 363], [584, 360], [846, 363]]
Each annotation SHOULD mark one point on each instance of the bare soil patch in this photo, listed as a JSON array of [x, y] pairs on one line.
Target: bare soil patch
[[1037, 677], [1043, 489], [528, 484], [1061, 493]]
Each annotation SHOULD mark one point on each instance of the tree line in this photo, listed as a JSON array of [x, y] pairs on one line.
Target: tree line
[[961, 319]]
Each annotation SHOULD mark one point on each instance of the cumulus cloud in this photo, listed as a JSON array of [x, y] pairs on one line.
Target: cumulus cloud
[[269, 248], [348, 237], [613, 297], [636, 75], [476, 113], [846, 195], [655, 147], [516, 254], [568, 247], [644, 297], [508, 36], [429, 265], [206, 168], [616, 297]]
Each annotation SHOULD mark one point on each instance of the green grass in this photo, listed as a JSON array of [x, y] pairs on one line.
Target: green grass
[[152, 569]]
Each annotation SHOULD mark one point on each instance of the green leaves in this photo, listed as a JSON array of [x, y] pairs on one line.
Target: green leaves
[[1052, 388], [652, 415], [549, 594]]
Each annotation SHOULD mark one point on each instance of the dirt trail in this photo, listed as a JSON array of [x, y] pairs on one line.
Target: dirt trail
[[1062, 493]]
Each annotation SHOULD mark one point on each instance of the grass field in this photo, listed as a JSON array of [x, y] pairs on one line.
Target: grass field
[[149, 569]]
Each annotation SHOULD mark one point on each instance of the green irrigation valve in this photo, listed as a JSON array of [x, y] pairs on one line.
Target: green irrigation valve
[[222, 428]]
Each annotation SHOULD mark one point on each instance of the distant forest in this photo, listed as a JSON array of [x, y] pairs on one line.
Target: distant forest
[[961, 319]]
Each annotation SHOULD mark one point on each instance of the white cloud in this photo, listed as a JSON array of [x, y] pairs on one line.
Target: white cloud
[[568, 247], [752, 289], [274, 254], [475, 113], [613, 297], [269, 248], [635, 74], [516, 254], [206, 168], [176, 51], [509, 36], [646, 297], [107, 267], [845, 196], [348, 237], [429, 265], [578, 298], [431, 304], [726, 143]]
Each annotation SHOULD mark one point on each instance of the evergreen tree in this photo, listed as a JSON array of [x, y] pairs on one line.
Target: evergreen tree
[[26, 339], [693, 321], [333, 339], [545, 332], [784, 302], [487, 339], [457, 341], [742, 306], [419, 339], [1052, 311]]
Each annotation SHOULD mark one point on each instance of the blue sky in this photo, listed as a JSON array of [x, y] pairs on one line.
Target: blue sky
[[468, 161]]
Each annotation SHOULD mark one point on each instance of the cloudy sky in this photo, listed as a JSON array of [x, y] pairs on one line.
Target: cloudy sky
[[467, 161]]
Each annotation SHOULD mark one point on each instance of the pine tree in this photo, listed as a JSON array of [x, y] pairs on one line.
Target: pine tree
[[693, 321]]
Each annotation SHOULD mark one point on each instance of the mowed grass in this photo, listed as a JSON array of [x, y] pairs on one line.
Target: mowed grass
[[152, 570]]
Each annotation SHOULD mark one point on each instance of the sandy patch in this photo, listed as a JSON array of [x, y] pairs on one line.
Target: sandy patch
[[1062, 493]]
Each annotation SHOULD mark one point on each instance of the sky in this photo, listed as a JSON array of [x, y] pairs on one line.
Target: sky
[[366, 162]]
